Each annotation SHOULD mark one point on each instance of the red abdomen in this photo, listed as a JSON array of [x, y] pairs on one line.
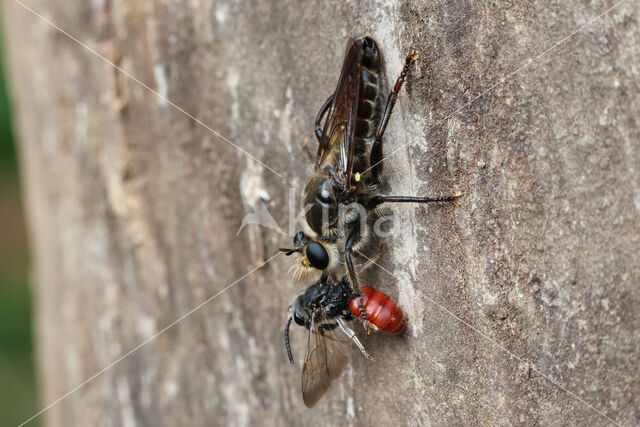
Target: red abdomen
[[381, 310]]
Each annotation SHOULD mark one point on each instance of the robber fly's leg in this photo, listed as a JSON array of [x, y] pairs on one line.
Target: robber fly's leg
[[375, 201], [353, 277], [305, 147], [322, 140], [348, 255], [352, 335], [375, 158], [320, 116]]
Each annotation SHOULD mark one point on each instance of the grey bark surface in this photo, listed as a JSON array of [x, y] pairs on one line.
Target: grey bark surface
[[522, 303]]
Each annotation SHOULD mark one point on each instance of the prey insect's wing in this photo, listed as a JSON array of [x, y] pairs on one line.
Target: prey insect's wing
[[339, 127], [326, 359]]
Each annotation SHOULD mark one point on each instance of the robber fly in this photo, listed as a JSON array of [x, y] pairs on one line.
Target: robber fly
[[341, 200], [324, 310]]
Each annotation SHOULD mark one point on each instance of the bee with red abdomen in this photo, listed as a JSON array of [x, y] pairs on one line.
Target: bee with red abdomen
[[323, 309]]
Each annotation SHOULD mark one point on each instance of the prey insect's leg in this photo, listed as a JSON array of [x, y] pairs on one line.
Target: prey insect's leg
[[378, 200], [322, 140], [352, 335], [375, 158]]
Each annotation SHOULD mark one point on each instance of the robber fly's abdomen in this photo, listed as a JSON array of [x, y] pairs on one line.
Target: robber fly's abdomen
[[368, 110], [368, 103]]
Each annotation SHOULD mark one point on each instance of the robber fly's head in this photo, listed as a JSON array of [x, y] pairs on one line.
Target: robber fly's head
[[311, 255]]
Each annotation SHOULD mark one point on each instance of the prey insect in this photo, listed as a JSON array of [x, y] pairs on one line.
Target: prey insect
[[324, 310], [341, 199]]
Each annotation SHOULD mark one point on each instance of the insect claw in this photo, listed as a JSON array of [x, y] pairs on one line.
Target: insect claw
[[367, 355], [369, 327], [457, 195]]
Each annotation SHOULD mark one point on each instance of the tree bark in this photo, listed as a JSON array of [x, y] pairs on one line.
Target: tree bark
[[522, 302]]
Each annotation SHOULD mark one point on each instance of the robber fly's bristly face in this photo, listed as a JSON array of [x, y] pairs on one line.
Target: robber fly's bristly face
[[315, 246], [312, 256]]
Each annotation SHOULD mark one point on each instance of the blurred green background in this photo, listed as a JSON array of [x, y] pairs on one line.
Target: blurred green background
[[18, 396]]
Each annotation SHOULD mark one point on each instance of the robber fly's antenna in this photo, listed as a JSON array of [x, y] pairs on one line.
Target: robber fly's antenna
[[288, 251], [286, 339]]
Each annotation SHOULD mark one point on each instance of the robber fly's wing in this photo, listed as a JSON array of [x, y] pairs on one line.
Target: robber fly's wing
[[339, 127], [327, 357]]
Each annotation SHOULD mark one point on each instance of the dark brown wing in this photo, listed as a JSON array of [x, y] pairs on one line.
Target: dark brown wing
[[327, 357], [339, 127]]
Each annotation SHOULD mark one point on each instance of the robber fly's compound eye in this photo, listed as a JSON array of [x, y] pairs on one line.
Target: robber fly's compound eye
[[297, 238], [317, 255]]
